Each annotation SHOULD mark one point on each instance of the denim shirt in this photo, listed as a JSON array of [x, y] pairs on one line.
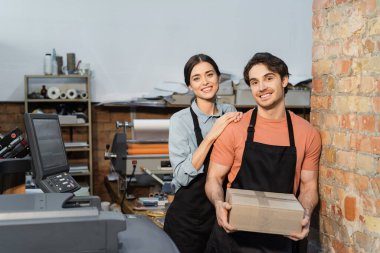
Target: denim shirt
[[183, 143]]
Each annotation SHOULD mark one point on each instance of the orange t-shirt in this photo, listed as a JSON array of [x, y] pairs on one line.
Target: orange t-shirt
[[228, 148]]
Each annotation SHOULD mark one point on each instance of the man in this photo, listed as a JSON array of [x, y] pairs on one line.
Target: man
[[270, 149]]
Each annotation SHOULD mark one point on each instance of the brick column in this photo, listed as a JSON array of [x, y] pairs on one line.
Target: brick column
[[345, 106]]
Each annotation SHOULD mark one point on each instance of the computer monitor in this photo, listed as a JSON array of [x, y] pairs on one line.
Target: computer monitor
[[48, 153]]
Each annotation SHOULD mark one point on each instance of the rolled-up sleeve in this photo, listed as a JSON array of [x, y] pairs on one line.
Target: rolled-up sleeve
[[180, 153]]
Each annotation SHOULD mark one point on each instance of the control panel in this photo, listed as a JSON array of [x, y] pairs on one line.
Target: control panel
[[62, 182], [157, 164]]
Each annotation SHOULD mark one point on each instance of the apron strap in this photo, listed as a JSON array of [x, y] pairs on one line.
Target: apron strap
[[197, 129], [290, 129], [292, 143], [251, 127]]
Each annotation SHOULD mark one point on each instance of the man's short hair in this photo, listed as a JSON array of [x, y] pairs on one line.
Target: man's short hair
[[272, 62]]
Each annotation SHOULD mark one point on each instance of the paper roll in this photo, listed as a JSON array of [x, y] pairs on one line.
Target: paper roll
[[105, 205], [53, 93], [151, 124], [63, 95], [83, 95], [48, 64], [147, 145], [71, 94], [38, 110], [140, 149], [146, 151], [151, 129]]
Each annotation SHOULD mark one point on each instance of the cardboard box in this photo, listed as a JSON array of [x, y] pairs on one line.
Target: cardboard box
[[225, 88], [186, 99], [297, 98], [226, 99], [264, 212], [182, 99], [67, 119], [244, 97]]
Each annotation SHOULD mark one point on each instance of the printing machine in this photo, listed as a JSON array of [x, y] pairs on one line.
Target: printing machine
[[53, 222], [57, 221], [127, 160]]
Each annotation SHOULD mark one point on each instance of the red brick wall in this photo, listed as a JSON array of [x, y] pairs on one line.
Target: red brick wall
[[345, 106], [11, 116]]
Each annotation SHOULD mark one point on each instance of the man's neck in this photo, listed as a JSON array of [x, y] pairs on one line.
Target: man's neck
[[277, 112]]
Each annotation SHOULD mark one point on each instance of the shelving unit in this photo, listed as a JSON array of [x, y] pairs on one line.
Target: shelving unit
[[303, 111], [79, 133]]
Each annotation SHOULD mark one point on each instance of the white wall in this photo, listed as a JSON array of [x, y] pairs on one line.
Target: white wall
[[134, 44]]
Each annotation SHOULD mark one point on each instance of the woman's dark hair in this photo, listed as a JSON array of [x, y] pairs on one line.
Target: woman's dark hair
[[272, 62], [194, 60]]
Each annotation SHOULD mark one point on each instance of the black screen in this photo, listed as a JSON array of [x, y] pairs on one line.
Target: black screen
[[46, 145], [50, 144]]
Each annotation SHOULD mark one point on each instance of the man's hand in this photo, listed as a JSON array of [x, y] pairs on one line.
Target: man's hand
[[222, 209], [305, 230]]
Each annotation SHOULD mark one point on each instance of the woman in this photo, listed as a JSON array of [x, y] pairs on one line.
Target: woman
[[192, 132]]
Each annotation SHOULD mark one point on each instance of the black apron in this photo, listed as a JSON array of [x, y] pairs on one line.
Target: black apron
[[191, 216], [264, 168]]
